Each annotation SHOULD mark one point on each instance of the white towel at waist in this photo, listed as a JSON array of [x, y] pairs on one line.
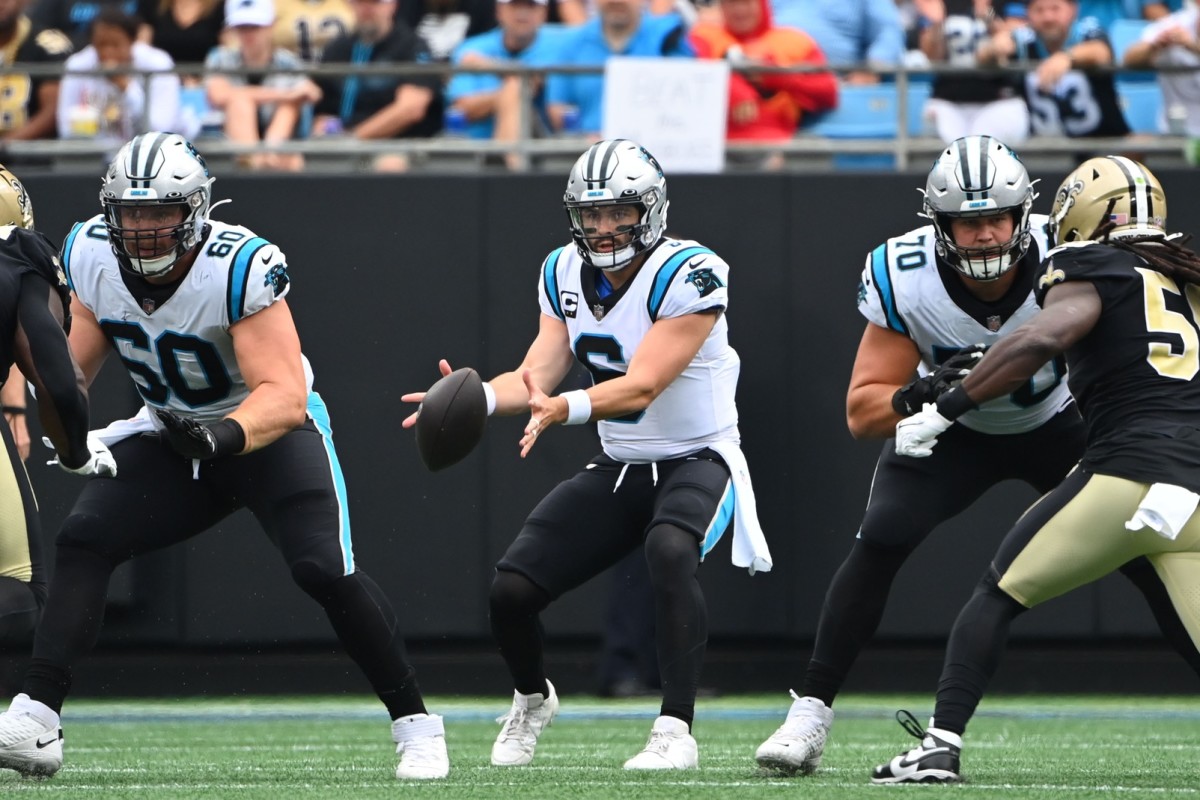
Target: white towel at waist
[[1165, 509], [114, 432], [749, 544]]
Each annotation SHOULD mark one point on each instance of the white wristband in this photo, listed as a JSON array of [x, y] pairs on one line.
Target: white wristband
[[489, 398], [579, 407]]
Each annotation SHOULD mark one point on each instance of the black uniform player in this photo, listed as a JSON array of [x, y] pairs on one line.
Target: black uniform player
[[1122, 300], [34, 313]]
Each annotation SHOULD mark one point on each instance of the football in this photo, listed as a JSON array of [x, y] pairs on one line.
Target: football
[[451, 419]]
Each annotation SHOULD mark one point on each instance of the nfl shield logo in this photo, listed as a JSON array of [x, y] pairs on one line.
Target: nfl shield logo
[[994, 323], [598, 312], [148, 305]]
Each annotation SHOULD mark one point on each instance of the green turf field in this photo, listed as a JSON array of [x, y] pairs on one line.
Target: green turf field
[[1034, 747]]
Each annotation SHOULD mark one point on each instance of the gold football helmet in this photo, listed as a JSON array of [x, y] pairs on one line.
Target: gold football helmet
[[1108, 188], [15, 205]]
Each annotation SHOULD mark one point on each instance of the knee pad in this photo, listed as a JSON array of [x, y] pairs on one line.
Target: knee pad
[[314, 579], [671, 548], [512, 594]]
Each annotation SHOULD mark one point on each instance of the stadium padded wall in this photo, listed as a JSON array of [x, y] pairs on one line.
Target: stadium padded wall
[[391, 273]]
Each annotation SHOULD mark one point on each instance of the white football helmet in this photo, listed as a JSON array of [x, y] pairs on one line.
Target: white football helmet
[[617, 172], [155, 170], [978, 176]]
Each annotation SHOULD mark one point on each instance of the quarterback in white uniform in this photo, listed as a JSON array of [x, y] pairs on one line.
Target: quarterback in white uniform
[[195, 310], [934, 299], [645, 315]]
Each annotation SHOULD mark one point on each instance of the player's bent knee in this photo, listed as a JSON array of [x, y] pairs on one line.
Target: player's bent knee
[[672, 550], [86, 534], [315, 579], [512, 594]]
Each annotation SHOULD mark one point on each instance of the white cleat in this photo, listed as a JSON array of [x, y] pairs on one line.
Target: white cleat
[[798, 744], [421, 744], [31, 738], [522, 725], [671, 746]]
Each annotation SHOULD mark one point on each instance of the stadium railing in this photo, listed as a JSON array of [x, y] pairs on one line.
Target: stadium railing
[[896, 143]]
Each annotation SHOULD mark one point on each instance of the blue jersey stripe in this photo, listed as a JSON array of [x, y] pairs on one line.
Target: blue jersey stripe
[[239, 277], [883, 285], [550, 281], [666, 273], [66, 253], [320, 416], [720, 523]]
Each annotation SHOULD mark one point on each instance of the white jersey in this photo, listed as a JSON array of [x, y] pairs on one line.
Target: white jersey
[[180, 354], [903, 290], [679, 277]]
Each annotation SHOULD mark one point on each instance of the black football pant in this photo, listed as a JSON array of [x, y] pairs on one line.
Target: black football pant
[[293, 487]]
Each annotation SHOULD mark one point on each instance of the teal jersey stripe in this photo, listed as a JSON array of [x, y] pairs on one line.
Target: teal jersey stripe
[[320, 415], [720, 523], [666, 273], [883, 285], [66, 253], [550, 281], [239, 277]]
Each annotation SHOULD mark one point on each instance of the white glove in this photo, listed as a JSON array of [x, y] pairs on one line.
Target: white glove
[[917, 435], [101, 463]]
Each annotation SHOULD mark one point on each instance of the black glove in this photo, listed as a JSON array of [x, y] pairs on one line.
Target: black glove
[[911, 398], [194, 440]]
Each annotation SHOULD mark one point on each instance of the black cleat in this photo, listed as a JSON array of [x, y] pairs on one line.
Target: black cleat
[[934, 761]]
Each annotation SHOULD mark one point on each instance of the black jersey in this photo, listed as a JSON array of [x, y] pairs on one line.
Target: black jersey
[[20, 92], [1081, 103], [1136, 375], [23, 252]]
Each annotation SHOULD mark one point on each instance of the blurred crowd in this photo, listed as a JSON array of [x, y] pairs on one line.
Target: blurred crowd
[[1057, 46]]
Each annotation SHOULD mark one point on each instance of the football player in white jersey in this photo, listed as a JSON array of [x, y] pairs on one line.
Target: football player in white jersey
[[934, 299], [196, 311], [645, 314]]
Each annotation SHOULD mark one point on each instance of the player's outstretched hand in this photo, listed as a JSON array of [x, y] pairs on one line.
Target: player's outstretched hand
[[100, 461], [917, 435], [541, 413], [417, 397]]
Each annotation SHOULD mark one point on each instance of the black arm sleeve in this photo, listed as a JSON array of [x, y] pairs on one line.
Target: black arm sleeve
[[44, 356]]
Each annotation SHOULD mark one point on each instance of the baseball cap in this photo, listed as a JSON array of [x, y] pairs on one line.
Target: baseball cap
[[249, 12]]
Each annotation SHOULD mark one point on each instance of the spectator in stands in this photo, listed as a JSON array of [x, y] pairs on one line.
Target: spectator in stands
[[305, 27], [849, 32], [969, 105], [186, 29], [117, 107], [445, 24], [28, 103], [493, 104], [379, 106], [1173, 41], [620, 28], [75, 17], [1106, 12], [1065, 98], [258, 108], [765, 106]]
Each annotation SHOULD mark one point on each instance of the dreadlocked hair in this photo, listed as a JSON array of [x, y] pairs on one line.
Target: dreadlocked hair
[[1165, 253]]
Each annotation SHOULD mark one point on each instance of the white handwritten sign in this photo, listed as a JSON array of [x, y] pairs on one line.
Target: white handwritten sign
[[674, 107]]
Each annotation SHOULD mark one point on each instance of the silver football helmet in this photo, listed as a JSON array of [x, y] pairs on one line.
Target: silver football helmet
[[978, 176], [151, 173], [617, 172]]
